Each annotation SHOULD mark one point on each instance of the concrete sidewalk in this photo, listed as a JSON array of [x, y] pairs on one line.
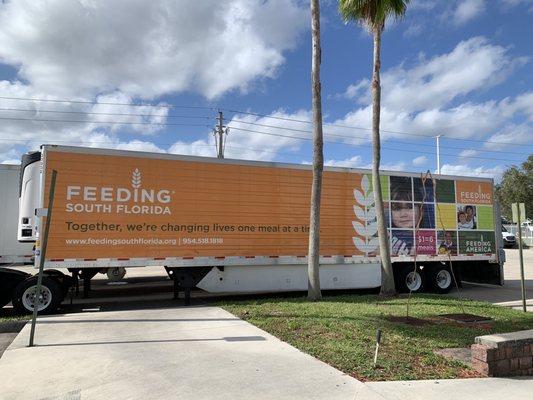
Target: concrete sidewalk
[[178, 353], [453, 389], [196, 353]]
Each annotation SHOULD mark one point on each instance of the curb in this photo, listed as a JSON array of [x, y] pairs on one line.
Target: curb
[[12, 326]]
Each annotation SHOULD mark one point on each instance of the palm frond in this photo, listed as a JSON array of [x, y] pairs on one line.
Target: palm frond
[[372, 13]]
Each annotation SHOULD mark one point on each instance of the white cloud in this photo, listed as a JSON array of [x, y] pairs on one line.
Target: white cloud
[[148, 48], [522, 104], [507, 4], [354, 91], [510, 135], [419, 161], [356, 162], [424, 5], [393, 166], [10, 156], [467, 170], [138, 145], [13, 161], [118, 52], [467, 10], [414, 29], [425, 98], [202, 147], [35, 126], [467, 153], [472, 65], [247, 139], [353, 162]]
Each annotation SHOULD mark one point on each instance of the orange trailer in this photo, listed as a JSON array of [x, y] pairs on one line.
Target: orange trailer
[[242, 226]]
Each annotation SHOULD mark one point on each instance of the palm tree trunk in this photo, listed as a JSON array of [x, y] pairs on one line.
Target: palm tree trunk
[[387, 278], [318, 161]]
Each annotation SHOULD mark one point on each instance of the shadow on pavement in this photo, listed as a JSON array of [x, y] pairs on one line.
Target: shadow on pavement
[[224, 339]]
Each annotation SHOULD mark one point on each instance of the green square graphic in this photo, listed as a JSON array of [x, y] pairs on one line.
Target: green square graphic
[[445, 191], [485, 217], [476, 242], [384, 180]]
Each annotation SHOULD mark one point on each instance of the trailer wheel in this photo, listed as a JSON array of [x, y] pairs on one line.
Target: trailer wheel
[[116, 274], [411, 280], [48, 300], [440, 279]]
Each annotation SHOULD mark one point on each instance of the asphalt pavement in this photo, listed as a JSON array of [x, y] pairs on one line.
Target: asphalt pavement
[[508, 295]]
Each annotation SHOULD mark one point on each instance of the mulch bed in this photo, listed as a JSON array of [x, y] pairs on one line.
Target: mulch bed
[[466, 318], [408, 320]]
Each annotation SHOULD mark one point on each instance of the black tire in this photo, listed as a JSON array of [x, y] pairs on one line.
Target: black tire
[[9, 280], [51, 289], [64, 280], [408, 279], [440, 278]]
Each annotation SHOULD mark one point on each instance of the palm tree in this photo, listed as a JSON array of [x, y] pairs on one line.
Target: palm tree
[[372, 14], [313, 292]]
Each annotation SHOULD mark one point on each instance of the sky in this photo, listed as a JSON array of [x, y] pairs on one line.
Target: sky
[[152, 76]]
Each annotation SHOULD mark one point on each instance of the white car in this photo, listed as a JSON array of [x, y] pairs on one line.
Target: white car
[[509, 240]]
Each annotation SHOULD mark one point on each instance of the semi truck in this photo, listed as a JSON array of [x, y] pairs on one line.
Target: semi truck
[[235, 226], [12, 252]]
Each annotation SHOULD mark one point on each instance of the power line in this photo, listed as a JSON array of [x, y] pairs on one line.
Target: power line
[[367, 145], [110, 142], [105, 113], [241, 129], [103, 122], [370, 129], [206, 118], [105, 103], [255, 114], [259, 150], [364, 137]]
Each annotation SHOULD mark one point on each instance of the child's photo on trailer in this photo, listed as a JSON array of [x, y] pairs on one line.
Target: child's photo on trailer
[[466, 217]]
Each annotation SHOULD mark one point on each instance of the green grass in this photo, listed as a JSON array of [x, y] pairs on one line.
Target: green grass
[[341, 331], [9, 315]]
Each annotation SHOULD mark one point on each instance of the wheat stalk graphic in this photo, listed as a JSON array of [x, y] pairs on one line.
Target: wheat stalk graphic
[[136, 179], [365, 211]]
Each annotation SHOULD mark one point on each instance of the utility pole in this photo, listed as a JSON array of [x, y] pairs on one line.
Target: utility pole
[[220, 133], [438, 153]]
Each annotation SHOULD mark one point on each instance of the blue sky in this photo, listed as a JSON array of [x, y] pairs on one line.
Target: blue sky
[[461, 69]]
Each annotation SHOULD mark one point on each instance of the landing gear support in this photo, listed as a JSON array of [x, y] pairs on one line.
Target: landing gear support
[[186, 279], [87, 274]]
